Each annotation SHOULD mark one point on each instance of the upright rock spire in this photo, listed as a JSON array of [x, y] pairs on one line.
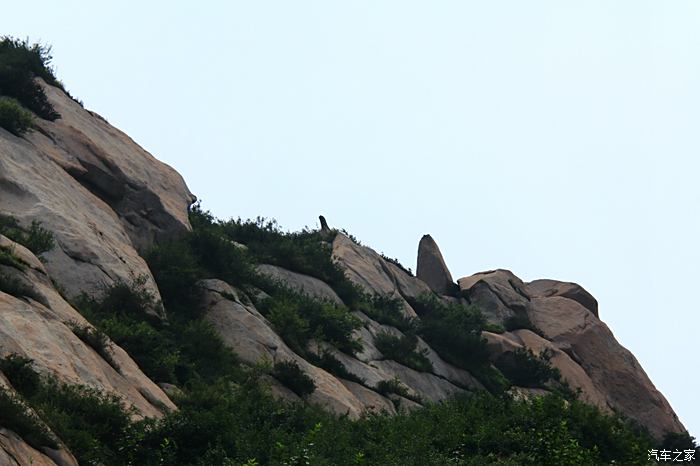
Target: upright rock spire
[[431, 266]]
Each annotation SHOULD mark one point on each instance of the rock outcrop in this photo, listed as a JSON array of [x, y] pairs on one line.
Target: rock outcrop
[[38, 324], [431, 267], [103, 197], [584, 349], [367, 269]]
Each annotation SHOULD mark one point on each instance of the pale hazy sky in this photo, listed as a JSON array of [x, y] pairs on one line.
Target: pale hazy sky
[[555, 139]]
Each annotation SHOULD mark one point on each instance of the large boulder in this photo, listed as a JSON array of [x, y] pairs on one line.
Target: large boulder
[[499, 293], [431, 267], [547, 288], [613, 370], [584, 349]]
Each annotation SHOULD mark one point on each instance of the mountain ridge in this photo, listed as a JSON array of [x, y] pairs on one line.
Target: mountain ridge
[[105, 201]]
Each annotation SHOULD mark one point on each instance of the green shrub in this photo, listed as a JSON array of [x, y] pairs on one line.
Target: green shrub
[[396, 387], [298, 318], [203, 351], [155, 353], [14, 415], [13, 117], [680, 441], [218, 423], [293, 377], [524, 369], [91, 423], [289, 324], [386, 310], [404, 350], [304, 252], [20, 62], [177, 352], [95, 339], [20, 373], [177, 273], [37, 239], [330, 363], [452, 330], [493, 328]]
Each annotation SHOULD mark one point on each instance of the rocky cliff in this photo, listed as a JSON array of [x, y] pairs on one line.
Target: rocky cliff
[[106, 200]]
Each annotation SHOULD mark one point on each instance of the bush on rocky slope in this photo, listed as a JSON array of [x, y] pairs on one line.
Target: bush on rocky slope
[[180, 351], [525, 369], [403, 349], [220, 423], [13, 117], [293, 377], [35, 238], [20, 62]]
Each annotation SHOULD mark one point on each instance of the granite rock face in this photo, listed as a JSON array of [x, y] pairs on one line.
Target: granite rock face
[[38, 323], [585, 350], [104, 197]]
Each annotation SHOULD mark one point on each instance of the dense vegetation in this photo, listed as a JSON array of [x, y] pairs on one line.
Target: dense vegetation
[[227, 415], [222, 424]]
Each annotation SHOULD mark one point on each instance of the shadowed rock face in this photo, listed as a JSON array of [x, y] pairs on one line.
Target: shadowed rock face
[[431, 266]]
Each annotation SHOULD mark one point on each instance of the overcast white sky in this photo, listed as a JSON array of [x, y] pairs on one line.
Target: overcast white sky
[[556, 139]]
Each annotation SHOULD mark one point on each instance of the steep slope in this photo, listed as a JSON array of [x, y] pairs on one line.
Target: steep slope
[[103, 197]]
